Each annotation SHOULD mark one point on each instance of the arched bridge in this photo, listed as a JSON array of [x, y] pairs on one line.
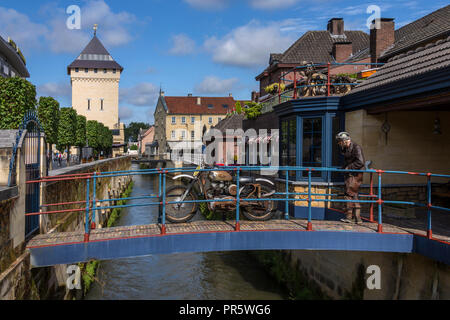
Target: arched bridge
[[284, 233]]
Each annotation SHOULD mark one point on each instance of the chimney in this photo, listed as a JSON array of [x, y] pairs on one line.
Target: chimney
[[189, 94], [381, 38], [230, 95], [342, 51], [199, 101], [336, 26]]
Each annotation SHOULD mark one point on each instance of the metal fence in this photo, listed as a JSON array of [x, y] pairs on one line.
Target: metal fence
[[374, 197]]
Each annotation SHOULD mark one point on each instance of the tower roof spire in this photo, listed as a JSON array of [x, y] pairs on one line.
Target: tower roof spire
[[95, 29]]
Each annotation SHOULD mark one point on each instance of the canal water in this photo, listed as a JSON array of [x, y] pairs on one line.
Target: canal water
[[191, 276]]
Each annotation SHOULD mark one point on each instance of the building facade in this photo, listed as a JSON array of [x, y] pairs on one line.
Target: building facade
[[95, 78], [12, 61], [180, 123]]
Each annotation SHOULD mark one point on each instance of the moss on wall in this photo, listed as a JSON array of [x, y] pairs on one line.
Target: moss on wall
[[278, 265]]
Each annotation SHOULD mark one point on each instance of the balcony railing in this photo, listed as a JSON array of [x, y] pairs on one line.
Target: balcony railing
[[315, 81]]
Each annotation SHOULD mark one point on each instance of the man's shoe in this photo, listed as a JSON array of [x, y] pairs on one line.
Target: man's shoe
[[346, 220], [359, 221]]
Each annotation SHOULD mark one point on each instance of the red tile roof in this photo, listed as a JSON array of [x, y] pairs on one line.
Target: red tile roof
[[208, 105]]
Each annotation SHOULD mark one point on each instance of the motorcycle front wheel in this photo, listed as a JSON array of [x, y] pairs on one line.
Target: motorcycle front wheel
[[260, 210], [181, 211]]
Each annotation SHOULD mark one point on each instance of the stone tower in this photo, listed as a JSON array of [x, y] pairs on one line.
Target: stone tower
[[95, 80]]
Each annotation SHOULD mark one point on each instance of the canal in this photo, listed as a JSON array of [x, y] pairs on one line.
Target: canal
[[191, 276]]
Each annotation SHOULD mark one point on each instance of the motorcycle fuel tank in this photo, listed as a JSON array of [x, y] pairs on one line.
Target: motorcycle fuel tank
[[220, 176]]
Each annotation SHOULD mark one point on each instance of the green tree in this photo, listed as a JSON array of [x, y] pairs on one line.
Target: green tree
[[67, 129], [80, 139], [253, 110], [132, 130], [92, 134], [17, 96], [48, 113], [238, 107]]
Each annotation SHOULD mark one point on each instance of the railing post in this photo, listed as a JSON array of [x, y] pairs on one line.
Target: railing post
[[328, 80], [86, 231], [238, 201], [371, 198], [163, 226], [380, 204], [286, 214], [295, 85], [429, 230], [309, 226], [94, 200]]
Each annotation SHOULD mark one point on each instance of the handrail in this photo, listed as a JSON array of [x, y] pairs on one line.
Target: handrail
[[286, 196], [326, 82]]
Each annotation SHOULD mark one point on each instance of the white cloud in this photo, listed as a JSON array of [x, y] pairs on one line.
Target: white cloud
[[251, 44], [54, 33], [215, 85], [55, 89], [272, 4], [125, 113], [142, 95], [208, 4], [182, 45], [21, 29]]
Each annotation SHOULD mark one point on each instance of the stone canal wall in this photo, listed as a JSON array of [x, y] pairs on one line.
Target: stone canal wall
[[343, 275], [17, 280]]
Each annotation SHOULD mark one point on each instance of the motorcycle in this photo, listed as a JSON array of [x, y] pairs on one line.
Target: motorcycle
[[219, 185]]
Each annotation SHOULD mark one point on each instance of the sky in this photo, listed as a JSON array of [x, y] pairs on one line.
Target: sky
[[203, 47]]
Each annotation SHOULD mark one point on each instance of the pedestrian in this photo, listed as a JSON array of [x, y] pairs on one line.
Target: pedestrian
[[353, 160], [59, 158]]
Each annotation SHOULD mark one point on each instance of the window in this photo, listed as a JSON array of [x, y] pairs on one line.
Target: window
[[192, 135], [77, 70], [288, 146], [183, 134], [89, 104], [183, 120], [312, 145], [192, 120], [105, 70], [210, 120], [219, 119], [95, 70], [86, 70], [210, 106], [174, 120], [225, 106], [114, 71], [173, 134], [101, 104]]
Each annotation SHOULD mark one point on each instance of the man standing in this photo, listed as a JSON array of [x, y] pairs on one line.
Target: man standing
[[353, 160]]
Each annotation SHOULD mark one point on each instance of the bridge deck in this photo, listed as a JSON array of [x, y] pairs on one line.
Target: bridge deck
[[107, 234]]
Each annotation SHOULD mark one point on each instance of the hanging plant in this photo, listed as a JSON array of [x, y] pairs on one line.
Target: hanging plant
[[274, 88]]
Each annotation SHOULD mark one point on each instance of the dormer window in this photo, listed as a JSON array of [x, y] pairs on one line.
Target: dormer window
[[210, 106]]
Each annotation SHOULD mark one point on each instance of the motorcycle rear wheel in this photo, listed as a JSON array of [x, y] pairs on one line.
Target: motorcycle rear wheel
[[265, 209], [180, 212]]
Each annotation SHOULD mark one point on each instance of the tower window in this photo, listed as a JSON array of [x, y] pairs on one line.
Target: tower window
[[105, 71], [89, 104], [86, 70], [114, 70], [101, 104], [95, 70], [76, 69]]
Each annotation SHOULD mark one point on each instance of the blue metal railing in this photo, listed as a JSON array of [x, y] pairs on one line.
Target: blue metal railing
[[286, 196]]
